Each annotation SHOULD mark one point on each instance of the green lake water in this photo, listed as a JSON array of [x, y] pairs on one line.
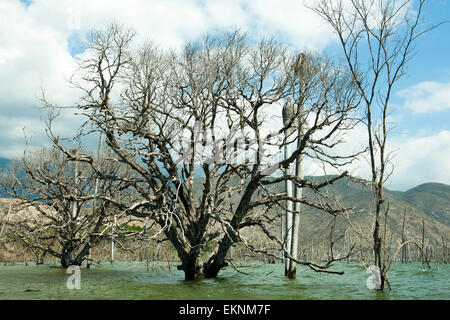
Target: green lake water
[[133, 280]]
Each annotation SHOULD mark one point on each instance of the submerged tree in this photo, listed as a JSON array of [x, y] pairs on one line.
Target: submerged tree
[[377, 39], [59, 204], [197, 130]]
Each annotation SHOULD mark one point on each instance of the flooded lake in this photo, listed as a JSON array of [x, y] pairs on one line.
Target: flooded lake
[[139, 280]]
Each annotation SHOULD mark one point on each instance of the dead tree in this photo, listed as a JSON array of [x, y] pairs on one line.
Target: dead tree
[[169, 116], [53, 210], [377, 40]]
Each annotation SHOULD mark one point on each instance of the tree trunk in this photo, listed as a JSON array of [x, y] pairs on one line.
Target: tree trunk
[[289, 207], [88, 264], [40, 256], [216, 262], [191, 265], [112, 240], [192, 269], [444, 251], [404, 249], [291, 274], [83, 253], [67, 257], [377, 245]]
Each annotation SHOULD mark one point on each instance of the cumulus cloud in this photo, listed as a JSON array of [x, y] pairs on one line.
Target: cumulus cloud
[[426, 97], [39, 39], [33, 57], [421, 159], [172, 23], [39, 36], [414, 159]]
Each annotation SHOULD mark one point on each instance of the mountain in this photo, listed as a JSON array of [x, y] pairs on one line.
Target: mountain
[[429, 203], [4, 163], [431, 198]]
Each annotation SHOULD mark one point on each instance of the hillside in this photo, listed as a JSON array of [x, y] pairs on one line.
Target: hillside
[[429, 203], [431, 198], [4, 163]]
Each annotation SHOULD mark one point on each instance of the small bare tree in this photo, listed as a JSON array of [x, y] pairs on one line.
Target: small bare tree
[[377, 39], [57, 206]]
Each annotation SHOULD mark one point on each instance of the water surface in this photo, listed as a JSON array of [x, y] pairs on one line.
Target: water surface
[[133, 280]]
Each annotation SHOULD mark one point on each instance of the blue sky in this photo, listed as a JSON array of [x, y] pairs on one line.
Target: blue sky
[[431, 63], [39, 39]]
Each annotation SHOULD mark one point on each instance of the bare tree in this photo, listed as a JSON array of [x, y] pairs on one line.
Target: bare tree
[[57, 208], [377, 39], [206, 110]]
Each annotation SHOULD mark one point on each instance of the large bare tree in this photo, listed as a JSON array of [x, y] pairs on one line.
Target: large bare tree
[[197, 130]]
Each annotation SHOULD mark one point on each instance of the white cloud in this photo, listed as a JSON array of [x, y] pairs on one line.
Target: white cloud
[[426, 97], [32, 56], [414, 159], [171, 23], [291, 21], [35, 52], [227, 14], [353, 142], [37, 38], [421, 159]]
